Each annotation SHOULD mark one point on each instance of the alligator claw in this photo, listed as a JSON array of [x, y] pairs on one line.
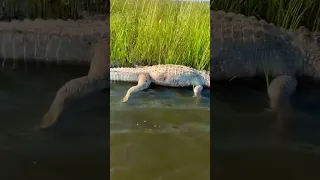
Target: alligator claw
[[125, 99], [48, 120]]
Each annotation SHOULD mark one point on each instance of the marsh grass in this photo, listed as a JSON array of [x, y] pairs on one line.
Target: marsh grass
[[64, 9], [289, 14], [147, 32]]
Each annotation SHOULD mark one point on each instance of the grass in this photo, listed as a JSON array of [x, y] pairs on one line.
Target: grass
[[289, 14], [147, 32], [64, 9]]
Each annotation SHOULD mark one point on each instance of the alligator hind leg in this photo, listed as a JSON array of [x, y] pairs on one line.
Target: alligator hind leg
[[280, 91], [74, 89], [96, 80], [144, 82], [197, 90]]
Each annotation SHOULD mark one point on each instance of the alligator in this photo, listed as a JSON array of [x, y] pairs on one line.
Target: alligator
[[245, 47], [165, 75], [50, 41], [59, 42]]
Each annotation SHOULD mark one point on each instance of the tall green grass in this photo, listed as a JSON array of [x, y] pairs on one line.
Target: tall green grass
[[147, 32], [64, 9], [289, 14]]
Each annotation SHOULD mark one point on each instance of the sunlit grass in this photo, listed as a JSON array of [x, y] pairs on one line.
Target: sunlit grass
[[146, 32]]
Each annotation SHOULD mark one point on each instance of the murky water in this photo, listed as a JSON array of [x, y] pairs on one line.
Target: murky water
[[76, 147], [161, 133], [251, 143]]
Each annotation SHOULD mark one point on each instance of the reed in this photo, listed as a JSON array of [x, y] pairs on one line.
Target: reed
[[63, 9], [289, 14], [147, 32]]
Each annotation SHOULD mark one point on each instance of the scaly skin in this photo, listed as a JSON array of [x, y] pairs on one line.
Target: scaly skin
[[246, 47], [58, 41], [50, 41], [164, 75], [96, 80]]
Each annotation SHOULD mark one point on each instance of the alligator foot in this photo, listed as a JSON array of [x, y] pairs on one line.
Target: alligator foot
[[125, 99], [96, 80], [74, 89], [280, 90], [143, 83], [48, 120], [197, 90]]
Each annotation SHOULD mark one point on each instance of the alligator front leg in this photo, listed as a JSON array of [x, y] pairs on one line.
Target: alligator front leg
[[143, 83], [74, 89]]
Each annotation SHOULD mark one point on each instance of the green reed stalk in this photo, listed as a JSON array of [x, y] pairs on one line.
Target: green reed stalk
[[146, 32]]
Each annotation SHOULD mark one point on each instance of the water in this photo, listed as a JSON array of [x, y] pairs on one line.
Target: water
[[76, 147], [250, 143], [161, 133]]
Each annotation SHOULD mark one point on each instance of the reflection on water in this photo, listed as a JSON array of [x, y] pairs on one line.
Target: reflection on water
[[251, 143], [160, 133], [76, 147]]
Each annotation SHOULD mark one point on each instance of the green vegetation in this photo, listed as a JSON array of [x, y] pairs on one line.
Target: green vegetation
[[64, 9], [288, 14], [146, 32]]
